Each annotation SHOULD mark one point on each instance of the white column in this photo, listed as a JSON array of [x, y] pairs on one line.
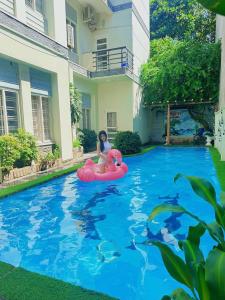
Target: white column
[[60, 110], [25, 98], [56, 16], [20, 10]]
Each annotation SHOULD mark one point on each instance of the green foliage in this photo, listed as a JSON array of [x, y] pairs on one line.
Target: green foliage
[[88, 139], [182, 19], [203, 276], [75, 104], [47, 160], [9, 152], [127, 142], [76, 143], [181, 71], [28, 148], [214, 6]]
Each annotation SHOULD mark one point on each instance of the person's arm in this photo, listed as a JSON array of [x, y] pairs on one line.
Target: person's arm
[[100, 154]]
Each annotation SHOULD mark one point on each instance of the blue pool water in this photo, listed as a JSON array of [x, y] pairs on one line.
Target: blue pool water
[[93, 234]]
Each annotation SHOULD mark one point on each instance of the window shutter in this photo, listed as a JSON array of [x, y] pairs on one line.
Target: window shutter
[[36, 117], [45, 116], [11, 108], [70, 36]]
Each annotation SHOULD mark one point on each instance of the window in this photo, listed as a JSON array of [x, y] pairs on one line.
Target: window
[[111, 125], [37, 5], [86, 118], [9, 122], [40, 112], [71, 35], [101, 57]]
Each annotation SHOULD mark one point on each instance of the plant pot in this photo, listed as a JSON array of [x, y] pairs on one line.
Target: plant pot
[[209, 140]]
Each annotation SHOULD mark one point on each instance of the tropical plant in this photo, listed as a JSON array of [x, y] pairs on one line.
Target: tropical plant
[[88, 139], [181, 72], [75, 104], [204, 277], [28, 149], [9, 152], [182, 19], [76, 143], [127, 142], [217, 7]]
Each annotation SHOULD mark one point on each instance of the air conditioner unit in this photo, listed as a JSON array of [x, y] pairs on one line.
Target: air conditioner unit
[[88, 14], [70, 36]]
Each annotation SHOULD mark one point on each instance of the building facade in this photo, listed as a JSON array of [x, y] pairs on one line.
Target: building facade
[[97, 45], [220, 114]]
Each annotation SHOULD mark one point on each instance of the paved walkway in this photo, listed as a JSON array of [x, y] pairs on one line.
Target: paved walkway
[[65, 165]]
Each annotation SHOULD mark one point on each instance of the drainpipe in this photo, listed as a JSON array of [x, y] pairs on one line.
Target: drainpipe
[[168, 126]]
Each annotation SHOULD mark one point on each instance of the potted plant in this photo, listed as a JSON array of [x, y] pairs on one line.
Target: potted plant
[[209, 138]]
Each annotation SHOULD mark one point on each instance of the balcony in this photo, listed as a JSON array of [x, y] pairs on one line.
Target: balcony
[[108, 62]]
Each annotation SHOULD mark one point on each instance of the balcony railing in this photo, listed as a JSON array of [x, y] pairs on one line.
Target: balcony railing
[[111, 59]]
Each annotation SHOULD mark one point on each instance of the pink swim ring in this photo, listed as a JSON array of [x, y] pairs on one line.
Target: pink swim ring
[[89, 172]]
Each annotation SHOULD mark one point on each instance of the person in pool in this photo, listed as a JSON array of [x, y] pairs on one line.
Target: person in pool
[[103, 147]]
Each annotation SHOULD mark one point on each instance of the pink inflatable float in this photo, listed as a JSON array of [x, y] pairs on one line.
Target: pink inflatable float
[[89, 172]]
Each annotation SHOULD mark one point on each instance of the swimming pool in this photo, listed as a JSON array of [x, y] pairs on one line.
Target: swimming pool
[[93, 234]]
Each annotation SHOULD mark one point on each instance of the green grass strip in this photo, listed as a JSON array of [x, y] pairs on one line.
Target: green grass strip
[[42, 179], [219, 166], [45, 178], [19, 284], [143, 151]]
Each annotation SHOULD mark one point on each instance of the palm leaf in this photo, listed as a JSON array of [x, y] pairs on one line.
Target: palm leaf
[[175, 265]]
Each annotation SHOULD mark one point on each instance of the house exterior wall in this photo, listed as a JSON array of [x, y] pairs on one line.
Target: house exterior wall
[[220, 114], [38, 41]]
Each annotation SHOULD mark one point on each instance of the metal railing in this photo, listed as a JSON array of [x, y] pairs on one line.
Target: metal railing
[[111, 59]]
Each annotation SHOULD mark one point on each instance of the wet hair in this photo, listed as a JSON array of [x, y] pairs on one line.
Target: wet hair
[[100, 140]]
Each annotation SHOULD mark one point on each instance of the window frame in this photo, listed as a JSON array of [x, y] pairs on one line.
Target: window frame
[[85, 121], [4, 106], [75, 31], [34, 7], [40, 119]]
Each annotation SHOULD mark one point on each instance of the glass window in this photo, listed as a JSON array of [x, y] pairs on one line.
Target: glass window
[[40, 112], [86, 118], [71, 35], [9, 121], [37, 5]]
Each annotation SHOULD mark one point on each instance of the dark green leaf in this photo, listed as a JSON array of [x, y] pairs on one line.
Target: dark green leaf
[[214, 273], [166, 298], [180, 294], [202, 187], [222, 198], [201, 284], [162, 208], [217, 6], [175, 265], [193, 255], [195, 233]]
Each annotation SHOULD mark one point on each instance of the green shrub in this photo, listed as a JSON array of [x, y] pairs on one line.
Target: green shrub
[[88, 139], [56, 151], [9, 152], [76, 143], [28, 149], [46, 161], [127, 142]]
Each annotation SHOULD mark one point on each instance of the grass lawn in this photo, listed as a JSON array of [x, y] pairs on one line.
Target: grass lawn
[[23, 186], [19, 284], [219, 165]]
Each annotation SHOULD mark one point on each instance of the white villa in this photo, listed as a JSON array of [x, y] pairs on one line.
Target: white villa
[[98, 45]]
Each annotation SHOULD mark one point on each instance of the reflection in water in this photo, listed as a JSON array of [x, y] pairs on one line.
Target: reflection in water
[[164, 234], [84, 219]]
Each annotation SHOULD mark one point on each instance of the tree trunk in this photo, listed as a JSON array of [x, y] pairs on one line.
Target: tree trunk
[[168, 126]]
